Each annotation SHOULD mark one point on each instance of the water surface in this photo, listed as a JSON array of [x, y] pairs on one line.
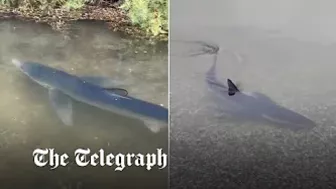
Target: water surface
[[27, 120], [283, 49]]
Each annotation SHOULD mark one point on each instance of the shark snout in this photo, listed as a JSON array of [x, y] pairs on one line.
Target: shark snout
[[17, 63]]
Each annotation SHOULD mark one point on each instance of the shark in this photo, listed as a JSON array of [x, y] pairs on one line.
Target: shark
[[248, 106], [63, 88]]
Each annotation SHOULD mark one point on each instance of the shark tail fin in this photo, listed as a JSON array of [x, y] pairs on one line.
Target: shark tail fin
[[232, 88], [211, 74]]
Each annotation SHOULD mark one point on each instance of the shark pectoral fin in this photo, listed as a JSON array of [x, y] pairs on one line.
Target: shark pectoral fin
[[119, 91], [155, 126], [62, 105], [103, 82], [232, 87]]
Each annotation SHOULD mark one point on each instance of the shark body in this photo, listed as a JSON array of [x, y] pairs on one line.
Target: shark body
[[64, 87], [253, 105]]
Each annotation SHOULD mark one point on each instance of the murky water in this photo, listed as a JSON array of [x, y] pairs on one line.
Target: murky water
[[284, 49], [27, 120]]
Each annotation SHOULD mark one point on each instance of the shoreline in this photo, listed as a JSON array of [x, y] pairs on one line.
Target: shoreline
[[59, 19]]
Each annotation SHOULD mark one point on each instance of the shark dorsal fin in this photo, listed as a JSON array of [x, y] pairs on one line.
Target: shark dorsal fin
[[232, 88], [118, 91]]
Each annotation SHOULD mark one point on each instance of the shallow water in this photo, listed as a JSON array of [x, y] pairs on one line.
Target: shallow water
[[285, 50], [27, 121]]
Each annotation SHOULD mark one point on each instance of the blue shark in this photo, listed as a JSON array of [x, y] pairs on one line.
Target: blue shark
[[64, 87], [251, 106]]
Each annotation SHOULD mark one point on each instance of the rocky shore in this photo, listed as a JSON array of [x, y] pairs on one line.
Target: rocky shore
[[116, 19]]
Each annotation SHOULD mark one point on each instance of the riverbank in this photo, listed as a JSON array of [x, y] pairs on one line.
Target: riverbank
[[59, 18]]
